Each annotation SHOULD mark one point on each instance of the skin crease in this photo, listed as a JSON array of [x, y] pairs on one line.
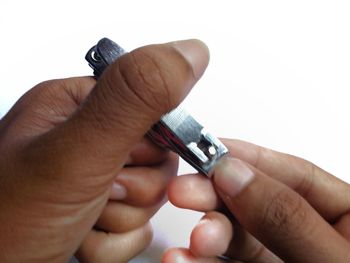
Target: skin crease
[[289, 205], [66, 142]]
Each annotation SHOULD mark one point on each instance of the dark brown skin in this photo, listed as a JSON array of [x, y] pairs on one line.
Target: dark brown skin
[[288, 210], [66, 142]]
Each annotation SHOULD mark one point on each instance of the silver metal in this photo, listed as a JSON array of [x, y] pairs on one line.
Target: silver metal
[[176, 130], [180, 132]]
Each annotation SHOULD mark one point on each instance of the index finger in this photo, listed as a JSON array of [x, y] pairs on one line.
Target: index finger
[[276, 215], [325, 192]]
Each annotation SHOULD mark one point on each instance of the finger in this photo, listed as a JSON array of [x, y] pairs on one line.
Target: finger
[[197, 193], [146, 153], [146, 186], [330, 203], [119, 217], [193, 191], [211, 236], [105, 247], [343, 226], [247, 248], [326, 193], [277, 215], [183, 255]]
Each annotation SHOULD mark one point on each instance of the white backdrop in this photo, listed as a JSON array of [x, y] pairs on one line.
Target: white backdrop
[[279, 74]]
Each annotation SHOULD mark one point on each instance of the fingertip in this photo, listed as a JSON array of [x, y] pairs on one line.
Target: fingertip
[[211, 236], [179, 255], [195, 52], [173, 189], [199, 241], [146, 153], [193, 191], [172, 255], [183, 255]]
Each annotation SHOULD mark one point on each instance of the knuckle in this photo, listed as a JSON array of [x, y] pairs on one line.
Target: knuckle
[[38, 92], [46, 99], [285, 214], [48, 84], [49, 95], [306, 183], [76, 89]]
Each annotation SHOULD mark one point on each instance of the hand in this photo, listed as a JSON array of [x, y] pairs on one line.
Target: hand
[[123, 229], [284, 208], [67, 143]]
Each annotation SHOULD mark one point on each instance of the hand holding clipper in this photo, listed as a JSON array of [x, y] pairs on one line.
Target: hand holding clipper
[[176, 130]]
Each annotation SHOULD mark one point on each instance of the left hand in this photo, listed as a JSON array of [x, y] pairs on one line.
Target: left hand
[[64, 145], [285, 209], [122, 229]]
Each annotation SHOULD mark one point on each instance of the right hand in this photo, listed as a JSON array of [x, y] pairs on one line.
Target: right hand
[[284, 208]]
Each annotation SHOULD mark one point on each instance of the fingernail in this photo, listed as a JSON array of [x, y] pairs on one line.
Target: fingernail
[[231, 176], [195, 52], [118, 192]]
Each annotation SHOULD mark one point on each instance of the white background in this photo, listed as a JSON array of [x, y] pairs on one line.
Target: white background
[[279, 74]]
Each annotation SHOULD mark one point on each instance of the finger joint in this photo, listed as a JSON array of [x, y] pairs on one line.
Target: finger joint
[[285, 214]]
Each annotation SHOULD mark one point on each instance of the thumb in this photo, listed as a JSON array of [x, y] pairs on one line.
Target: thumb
[[276, 215], [130, 96]]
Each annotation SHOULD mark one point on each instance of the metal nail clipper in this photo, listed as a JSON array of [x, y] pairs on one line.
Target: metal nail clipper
[[176, 130]]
